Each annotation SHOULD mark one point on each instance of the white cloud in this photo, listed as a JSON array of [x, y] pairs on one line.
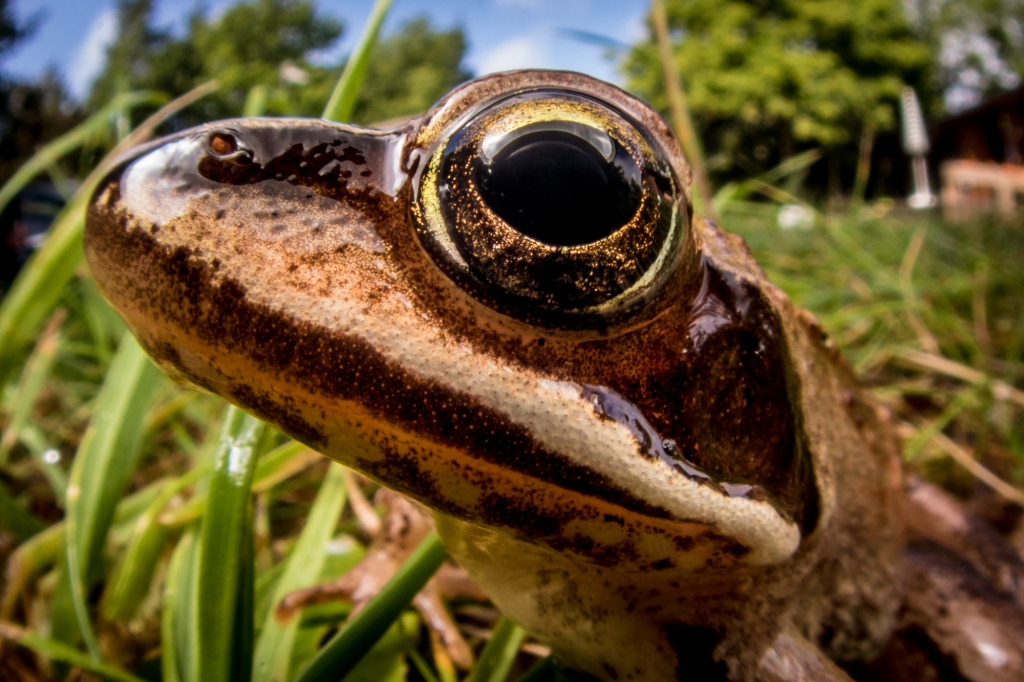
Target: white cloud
[[521, 52], [92, 53]]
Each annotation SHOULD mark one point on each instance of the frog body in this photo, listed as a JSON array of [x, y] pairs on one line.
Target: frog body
[[642, 451]]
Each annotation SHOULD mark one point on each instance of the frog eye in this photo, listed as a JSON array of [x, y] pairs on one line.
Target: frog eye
[[551, 203]]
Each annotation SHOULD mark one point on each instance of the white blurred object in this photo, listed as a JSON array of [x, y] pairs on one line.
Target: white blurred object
[[915, 144], [795, 216], [51, 456], [290, 73]]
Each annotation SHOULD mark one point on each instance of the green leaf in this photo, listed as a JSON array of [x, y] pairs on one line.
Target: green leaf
[[500, 653], [734, 192], [255, 101], [343, 100], [35, 441], [343, 652], [105, 325], [37, 369], [276, 466], [129, 583], [303, 568], [385, 662], [913, 446], [221, 556], [178, 659], [106, 457], [43, 550], [58, 651], [245, 602]]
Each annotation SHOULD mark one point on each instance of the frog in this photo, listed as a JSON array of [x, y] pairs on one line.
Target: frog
[[508, 311]]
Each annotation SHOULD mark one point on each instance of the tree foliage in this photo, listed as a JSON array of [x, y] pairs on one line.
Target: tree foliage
[[243, 46], [31, 113], [130, 55], [978, 47], [767, 77], [12, 31], [276, 46], [410, 70]]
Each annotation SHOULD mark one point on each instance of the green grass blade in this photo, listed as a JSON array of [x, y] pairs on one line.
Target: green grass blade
[[30, 559], [177, 636], [106, 457], [256, 101], [682, 122], [500, 653], [105, 325], [245, 603], [385, 662], [343, 652], [130, 581], [274, 467], [37, 369], [220, 543], [734, 192], [58, 651], [343, 100], [914, 445], [40, 284], [274, 648], [34, 439], [63, 616], [424, 669], [44, 550], [71, 140]]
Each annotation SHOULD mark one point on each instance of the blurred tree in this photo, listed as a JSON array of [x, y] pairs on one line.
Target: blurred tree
[[12, 31], [30, 113], [263, 42], [278, 46], [978, 46], [131, 54], [766, 78], [410, 70]]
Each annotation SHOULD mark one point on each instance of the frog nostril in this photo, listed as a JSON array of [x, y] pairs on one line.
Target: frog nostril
[[227, 148], [223, 144]]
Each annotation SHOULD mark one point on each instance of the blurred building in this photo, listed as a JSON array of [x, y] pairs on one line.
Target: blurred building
[[979, 155]]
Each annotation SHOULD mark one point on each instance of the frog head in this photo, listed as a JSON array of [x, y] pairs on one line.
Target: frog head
[[505, 309]]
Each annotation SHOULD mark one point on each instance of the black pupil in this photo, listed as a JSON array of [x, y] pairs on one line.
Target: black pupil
[[557, 188]]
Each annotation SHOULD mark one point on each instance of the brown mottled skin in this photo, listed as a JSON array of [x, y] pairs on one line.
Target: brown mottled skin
[[676, 476]]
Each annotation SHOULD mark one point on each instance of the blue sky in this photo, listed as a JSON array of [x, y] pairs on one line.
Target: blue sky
[[503, 34]]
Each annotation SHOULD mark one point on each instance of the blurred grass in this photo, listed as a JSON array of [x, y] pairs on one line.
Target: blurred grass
[[162, 545], [929, 313]]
